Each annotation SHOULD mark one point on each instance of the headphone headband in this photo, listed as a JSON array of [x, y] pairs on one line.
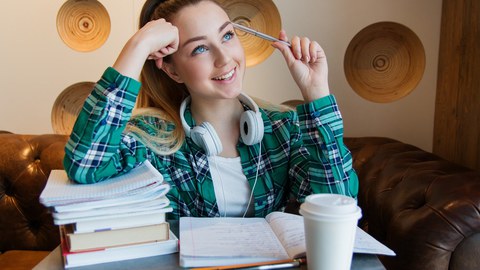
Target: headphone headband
[[249, 102], [185, 125]]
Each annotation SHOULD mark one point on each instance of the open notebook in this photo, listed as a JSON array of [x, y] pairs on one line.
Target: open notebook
[[229, 241]]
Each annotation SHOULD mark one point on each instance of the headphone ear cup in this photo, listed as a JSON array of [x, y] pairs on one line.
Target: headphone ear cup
[[206, 138], [251, 127]]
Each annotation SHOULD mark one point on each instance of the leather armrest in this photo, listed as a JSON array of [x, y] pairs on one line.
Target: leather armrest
[[419, 205], [25, 164]]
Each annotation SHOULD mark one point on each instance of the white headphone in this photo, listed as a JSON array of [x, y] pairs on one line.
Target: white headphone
[[204, 135]]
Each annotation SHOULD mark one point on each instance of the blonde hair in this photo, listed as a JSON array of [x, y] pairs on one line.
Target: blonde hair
[[160, 96]]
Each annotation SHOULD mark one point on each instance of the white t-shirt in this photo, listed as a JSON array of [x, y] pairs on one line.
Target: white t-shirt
[[231, 186]]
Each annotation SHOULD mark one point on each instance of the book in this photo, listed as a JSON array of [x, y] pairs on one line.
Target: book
[[157, 204], [75, 259], [230, 241], [111, 216], [113, 238], [119, 221], [60, 190]]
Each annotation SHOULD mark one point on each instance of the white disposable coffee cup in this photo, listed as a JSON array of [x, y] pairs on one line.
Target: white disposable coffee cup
[[330, 226]]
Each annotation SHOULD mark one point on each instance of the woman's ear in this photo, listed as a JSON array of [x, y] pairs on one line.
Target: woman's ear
[[170, 70]]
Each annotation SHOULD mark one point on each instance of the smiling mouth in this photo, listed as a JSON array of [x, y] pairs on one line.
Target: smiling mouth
[[225, 77]]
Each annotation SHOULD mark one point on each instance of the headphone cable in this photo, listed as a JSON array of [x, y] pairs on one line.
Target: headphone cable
[[256, 178]]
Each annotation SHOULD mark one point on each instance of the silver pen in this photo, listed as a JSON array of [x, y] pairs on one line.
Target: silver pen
[[274, 266], [259, 34], [295, 263]]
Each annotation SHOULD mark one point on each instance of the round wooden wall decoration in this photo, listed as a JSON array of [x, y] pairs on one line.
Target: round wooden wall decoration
[[384, 62], [262, 16], [83, 25], [68, 105]]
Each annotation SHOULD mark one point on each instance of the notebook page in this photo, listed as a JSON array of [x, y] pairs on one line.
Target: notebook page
[[291, 232], [365, 243], [211, 239]]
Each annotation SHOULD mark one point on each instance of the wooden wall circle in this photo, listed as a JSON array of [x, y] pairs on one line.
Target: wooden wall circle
[[384, 62], [83, 25], [68, 105]]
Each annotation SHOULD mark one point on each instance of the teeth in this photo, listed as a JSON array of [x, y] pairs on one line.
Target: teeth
[[226, 76]]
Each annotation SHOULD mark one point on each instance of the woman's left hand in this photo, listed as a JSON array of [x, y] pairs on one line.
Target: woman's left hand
[[307, 63]]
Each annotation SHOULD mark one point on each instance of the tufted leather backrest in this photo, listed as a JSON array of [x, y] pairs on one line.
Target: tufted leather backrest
[[25, 164]]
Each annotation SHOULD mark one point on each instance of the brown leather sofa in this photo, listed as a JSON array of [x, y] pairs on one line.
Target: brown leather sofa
[[424, 208]]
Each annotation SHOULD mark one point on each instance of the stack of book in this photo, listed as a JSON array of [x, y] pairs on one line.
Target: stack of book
[[117, 219]]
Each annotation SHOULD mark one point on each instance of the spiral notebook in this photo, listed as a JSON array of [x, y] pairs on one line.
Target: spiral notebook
[[61, 190]]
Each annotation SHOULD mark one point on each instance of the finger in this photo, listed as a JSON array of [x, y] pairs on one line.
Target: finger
[[296, 47], [164, 51], [305, 49], [155, 55], [315, 50], [283, 35], [159, 62], [283, 48], [321, 56], [168, 50]]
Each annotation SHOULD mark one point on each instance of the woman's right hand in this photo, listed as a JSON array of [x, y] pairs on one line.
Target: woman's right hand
[[154, 41]]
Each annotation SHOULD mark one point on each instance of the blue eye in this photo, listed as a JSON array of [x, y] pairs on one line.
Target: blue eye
[[228, 36], [200, 49]]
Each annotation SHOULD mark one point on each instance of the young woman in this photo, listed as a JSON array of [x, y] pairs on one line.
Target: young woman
[[221, 154]]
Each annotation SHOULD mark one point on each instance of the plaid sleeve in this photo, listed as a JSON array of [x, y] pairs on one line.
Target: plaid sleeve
[[97, 149], [320, 140]]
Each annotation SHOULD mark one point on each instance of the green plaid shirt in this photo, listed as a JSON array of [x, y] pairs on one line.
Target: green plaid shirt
[[302, 152]]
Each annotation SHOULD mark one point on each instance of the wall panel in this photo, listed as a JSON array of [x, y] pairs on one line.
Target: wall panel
[[36, 66]]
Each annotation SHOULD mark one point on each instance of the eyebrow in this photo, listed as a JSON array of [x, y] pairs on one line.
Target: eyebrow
[[220, 29]]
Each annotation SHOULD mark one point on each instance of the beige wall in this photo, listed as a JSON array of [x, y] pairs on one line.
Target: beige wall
[[36, 66]]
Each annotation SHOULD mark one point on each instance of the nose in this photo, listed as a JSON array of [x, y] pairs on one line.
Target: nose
[[222, 57]]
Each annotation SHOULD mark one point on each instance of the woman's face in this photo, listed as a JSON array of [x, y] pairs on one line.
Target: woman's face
[[210, 59]]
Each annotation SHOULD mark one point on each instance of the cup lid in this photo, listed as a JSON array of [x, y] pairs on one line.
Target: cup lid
[[330, 204]]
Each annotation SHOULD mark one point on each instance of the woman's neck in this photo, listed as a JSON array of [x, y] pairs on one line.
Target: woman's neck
[[224, 116]]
